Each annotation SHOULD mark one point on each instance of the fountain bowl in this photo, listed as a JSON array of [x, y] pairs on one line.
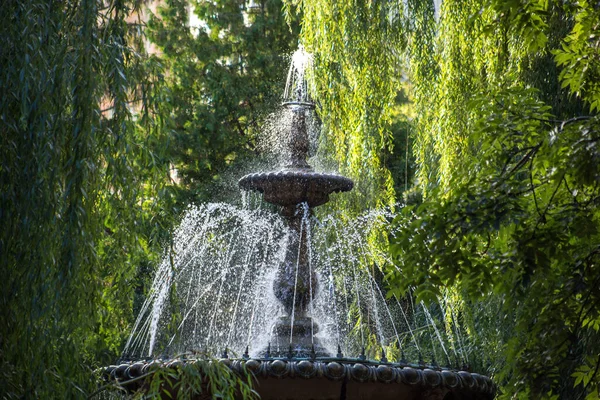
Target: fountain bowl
[[290, 187], [332, 379]]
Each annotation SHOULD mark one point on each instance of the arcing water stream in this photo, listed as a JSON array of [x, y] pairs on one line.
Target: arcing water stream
[[214, 290]]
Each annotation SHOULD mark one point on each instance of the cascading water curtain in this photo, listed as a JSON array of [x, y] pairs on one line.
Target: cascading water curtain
[[214, 291]]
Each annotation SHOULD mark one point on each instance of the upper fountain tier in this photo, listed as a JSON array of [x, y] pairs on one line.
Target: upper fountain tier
[[288, 188], [297, 182]]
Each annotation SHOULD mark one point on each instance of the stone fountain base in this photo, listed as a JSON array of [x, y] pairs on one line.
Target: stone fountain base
[[305, 371], [333, 378]]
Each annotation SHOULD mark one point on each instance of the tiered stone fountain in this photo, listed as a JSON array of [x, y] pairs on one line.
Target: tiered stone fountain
[[295, 185], [303, 369]]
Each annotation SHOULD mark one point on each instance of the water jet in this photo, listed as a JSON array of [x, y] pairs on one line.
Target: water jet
[[288, 353]]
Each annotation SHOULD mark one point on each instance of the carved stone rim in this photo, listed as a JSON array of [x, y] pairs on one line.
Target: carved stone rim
[[333, 182], [425, 377]]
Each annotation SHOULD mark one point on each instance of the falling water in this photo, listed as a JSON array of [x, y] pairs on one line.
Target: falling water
[[212, 283], [214, 288]]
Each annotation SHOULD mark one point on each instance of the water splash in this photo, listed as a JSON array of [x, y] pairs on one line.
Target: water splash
[[212, 283], [214, 287], [297, 90]]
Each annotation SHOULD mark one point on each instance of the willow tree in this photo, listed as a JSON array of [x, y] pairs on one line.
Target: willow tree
[[357, 57], [507, 131], [74, 170]]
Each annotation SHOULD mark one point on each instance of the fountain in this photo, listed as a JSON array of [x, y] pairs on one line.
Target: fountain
[[297, 184], [292, 359]]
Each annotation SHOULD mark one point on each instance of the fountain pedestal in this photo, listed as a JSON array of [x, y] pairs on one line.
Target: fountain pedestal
[[295, 286], [296, 282]]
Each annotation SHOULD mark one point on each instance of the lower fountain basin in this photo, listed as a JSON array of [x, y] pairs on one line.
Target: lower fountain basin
[[288, 188], [334, 378]]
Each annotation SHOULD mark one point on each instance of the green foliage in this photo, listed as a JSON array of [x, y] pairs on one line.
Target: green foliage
[[74, 169], [508, 164], [399, 158], [579, 55], [221, 78], [193, 378]]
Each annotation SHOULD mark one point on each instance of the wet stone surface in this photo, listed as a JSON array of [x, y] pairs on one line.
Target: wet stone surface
[[395, 378]]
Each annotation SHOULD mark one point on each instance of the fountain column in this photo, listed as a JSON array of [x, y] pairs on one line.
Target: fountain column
[[297, 188], [296, 283], [298, 142], [295, 286]]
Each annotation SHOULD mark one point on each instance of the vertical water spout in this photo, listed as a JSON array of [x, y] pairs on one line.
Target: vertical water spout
[[298, 140]]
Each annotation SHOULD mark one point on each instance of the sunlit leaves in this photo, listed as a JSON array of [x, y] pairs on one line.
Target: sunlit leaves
[[585, 375], [514, 159], [579, 55], [527, 19]]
